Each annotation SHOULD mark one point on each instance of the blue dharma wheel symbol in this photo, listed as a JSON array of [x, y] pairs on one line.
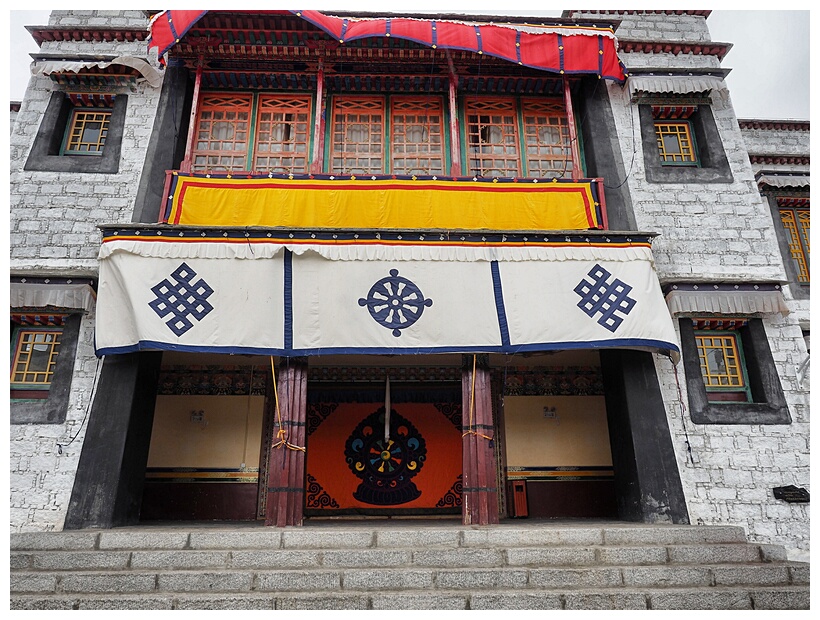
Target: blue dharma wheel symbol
[[395, 302]]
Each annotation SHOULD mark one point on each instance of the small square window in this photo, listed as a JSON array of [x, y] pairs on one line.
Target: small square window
[[676, 144], [722, 366], [35, 350], [86, 132]]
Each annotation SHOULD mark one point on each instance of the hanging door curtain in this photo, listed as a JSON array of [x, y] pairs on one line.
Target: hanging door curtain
[[564, 48], [327, 201], [352, 468], [303, 293]]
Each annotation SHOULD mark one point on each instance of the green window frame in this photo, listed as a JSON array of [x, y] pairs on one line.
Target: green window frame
[[260, 132], [516, 137], [386, 134]]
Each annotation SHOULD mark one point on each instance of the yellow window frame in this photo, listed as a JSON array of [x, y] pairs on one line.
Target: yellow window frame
[[27, 341], [722, 364], [796, 223], [680, 134], [78, 141]]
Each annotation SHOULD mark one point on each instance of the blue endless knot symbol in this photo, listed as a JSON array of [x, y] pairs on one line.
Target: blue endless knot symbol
[[604, 297], [395, 302], [181, 299]]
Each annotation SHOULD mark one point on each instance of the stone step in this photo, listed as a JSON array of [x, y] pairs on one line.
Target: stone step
[[536, 566], [397, 579], [744, 598], [370, 537], [57, 560]]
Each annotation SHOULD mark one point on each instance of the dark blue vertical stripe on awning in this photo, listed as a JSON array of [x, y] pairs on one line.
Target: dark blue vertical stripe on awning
[[288, 290], [499, 304]]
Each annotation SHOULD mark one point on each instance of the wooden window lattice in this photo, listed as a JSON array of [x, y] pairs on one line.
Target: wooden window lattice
[[357, 145], [796, 223], [222, 133], [492, 138], [282, 135], [546, 136], [35, 357], [720, 362], [87, 132], [675, 144], [417, 136]]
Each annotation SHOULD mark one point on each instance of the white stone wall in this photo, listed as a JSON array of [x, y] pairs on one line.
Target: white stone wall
[[653, 25], [41, 478], [54, 216], [777, 141], [53, 230], [732, 469], [725, 231], [99, 19]]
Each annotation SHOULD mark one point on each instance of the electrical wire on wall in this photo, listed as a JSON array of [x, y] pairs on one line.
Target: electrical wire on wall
[[247, 421], [682, 412], [87, 407], [634, 139]]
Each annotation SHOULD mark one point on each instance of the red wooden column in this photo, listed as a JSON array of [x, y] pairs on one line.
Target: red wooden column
[[317, 156], [185, 166], [573, 134], [452, 103], [480, 492], [286, 458]]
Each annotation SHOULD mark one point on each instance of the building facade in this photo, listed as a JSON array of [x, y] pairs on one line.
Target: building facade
[[285, 265]]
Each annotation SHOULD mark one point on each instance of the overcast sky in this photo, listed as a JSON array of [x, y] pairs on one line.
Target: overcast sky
[[769, 58]]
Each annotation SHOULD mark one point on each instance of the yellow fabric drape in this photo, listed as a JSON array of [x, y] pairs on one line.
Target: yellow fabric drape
[[397, 204]]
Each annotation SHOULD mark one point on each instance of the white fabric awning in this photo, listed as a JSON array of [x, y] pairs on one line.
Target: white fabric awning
[[285, 299], [47, 67], [726, 302], [774, 180], [75, 296], [674, 84]]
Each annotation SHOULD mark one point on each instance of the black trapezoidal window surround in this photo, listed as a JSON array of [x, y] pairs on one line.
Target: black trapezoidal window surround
[[52, 150], [710, 163], [764, 401], [53, 408]]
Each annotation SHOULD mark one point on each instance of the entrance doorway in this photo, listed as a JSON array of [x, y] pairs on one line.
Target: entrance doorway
[[556, 457], [205, 451]]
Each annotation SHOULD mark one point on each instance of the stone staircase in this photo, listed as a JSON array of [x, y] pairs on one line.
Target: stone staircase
[[404, 565]]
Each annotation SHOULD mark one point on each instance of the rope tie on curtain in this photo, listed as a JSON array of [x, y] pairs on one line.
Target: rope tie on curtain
[[282, 434], [472, 399]]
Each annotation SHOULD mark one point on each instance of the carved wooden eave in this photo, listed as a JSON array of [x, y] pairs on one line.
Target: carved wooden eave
[[698, 48], [43, 34], [777, 158], [694, 13], [780, 125]]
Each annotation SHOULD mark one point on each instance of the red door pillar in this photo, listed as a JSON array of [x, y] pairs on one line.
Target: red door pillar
[[285, 500], [480, 491]]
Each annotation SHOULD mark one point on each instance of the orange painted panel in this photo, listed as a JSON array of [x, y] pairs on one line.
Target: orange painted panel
[[350, 466]]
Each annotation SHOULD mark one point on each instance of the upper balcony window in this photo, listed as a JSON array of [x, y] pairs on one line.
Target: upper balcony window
[[506, 138], [364, 140], [270, 132]]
